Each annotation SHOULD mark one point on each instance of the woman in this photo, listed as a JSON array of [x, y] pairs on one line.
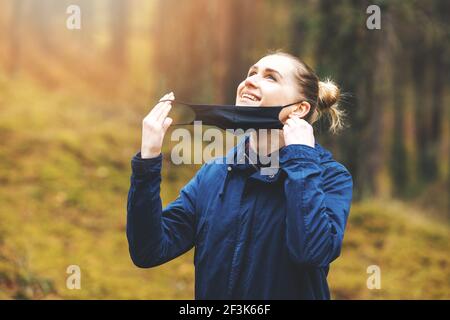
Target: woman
[[255, 236]]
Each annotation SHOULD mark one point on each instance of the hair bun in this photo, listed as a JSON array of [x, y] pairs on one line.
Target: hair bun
[[329, 94]]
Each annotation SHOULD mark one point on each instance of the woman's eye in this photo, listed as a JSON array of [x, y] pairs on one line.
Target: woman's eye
[[267, 76]]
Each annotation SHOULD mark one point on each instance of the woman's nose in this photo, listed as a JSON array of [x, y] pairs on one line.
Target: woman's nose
[[251, 82]]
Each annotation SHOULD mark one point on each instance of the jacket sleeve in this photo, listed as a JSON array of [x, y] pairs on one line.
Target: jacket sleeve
[[318, 203], [154, 235]]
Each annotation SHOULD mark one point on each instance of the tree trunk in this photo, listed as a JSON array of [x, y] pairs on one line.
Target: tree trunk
[[119, 33], [15, 39]]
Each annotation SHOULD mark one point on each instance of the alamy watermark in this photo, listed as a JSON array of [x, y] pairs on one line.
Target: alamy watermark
[[73, 21], [374, 280], [262, 148], [73, 281], [373, 21]]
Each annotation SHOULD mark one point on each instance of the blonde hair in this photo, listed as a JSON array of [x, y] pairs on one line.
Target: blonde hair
[[323, 96], [328, 98]]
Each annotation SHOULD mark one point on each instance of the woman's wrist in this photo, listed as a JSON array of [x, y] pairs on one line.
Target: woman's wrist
[[149, 153]]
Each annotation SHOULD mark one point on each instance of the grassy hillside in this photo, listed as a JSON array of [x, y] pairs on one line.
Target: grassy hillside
[[64, 177], [411, 250]]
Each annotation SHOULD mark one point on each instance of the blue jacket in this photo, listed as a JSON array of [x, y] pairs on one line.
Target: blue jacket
[[255, 236]]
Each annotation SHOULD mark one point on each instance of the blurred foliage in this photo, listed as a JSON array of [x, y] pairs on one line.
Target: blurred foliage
[[72, 102]]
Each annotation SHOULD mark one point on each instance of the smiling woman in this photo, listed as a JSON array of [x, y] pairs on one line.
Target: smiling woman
[[255, 236], [281, 78]]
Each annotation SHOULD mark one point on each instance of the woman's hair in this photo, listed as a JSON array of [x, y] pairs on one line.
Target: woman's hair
[[323, 96]]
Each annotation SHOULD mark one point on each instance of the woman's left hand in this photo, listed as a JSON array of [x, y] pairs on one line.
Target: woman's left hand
[[298, 131]]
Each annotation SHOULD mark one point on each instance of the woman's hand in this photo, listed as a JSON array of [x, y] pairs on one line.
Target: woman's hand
[[298, 131], [154, 127]]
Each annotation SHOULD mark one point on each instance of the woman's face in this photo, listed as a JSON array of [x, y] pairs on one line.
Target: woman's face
[[270, 82]]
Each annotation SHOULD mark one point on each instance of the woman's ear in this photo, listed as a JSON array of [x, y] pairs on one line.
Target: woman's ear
[[299, 109]]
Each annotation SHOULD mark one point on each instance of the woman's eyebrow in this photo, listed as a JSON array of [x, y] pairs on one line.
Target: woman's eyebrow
[[267, 69]]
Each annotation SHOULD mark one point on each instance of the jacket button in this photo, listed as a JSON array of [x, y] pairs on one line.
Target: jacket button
[[229, 168]]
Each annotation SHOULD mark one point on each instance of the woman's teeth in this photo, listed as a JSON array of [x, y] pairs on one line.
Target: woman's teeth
[[249, 96]]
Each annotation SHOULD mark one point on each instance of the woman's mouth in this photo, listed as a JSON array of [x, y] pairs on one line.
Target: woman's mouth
[[250, 98]]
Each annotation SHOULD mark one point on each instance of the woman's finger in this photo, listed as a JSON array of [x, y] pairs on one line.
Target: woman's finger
[[166, 124], [165, 110], [170, 96], [287, 129], [156, 109], [296, 120], [300, 122], [290, 122]]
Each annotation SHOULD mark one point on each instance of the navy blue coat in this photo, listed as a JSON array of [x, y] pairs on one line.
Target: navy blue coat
[[255, 236]]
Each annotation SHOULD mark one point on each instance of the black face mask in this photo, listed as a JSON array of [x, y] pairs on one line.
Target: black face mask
[[236, 117]]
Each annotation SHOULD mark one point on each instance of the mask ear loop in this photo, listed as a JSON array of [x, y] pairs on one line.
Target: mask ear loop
[[310, 112]]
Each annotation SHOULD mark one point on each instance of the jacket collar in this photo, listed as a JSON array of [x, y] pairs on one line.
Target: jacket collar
[[239, 150], [264, 174]]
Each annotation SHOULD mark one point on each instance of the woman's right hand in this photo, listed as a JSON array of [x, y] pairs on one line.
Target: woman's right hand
[[154, 127]]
